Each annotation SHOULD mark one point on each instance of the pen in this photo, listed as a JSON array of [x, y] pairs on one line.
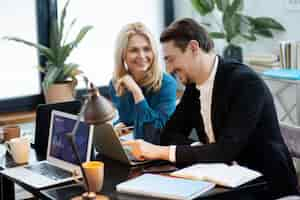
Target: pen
[[126, 128], [159, 171]]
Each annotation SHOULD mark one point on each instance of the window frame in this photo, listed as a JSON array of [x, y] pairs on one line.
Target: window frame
[[46, 11]]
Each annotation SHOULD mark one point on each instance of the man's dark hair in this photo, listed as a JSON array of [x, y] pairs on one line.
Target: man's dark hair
[[185, 30]]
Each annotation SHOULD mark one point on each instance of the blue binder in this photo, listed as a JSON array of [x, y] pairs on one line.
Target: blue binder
[[291, 74]]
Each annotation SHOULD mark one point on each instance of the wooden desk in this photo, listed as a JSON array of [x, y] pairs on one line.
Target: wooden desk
[[16, 118]]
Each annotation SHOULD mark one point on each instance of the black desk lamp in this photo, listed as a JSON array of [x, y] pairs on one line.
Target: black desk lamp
[[95, 110]]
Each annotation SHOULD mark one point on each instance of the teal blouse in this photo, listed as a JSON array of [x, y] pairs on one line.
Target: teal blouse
[[154, 110]]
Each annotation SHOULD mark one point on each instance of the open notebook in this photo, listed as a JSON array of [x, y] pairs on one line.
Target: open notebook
[[219, 173]]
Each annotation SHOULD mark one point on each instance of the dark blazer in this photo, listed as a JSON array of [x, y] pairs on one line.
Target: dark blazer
[[245, 126]]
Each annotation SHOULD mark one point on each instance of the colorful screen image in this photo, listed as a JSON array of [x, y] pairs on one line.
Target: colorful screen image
[[60, 147]]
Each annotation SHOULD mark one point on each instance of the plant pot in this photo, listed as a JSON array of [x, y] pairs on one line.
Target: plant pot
[[233, 52], [60, 92]]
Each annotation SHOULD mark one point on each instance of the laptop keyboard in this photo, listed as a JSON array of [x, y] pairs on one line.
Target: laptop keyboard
[[50, 171], [127, 150]]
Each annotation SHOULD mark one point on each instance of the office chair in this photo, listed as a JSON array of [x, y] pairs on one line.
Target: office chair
[[291, 136]]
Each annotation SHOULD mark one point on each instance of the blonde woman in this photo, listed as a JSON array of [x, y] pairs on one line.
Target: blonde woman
[[144, 95]]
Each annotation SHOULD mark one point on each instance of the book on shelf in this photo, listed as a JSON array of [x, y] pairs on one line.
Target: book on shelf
[[161, 186], [218, 173]]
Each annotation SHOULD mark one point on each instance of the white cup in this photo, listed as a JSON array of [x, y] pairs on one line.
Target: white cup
[[19, 149]]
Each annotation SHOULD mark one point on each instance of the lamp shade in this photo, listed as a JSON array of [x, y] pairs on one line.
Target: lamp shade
[[98, 109]]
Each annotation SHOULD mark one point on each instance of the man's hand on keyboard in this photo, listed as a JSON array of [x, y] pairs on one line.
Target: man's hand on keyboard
[[142, 150]]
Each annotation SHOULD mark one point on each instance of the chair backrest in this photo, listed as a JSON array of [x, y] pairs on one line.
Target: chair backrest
[[42, 123], [291, 136]]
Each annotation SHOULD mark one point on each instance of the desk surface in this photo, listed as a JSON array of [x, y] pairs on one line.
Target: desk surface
[[16, 118], [115, 172]]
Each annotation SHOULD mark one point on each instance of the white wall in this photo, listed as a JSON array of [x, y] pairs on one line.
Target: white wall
[[276, 9]]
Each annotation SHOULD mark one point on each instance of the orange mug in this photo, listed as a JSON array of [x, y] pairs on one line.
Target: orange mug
[[94, 171]]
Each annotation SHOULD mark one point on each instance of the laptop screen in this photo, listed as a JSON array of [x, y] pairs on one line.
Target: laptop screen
[[60, 147]]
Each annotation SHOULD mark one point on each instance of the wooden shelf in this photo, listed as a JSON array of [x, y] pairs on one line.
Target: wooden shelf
[[16, 118]]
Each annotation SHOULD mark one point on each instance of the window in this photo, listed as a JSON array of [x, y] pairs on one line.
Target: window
[[95, 53], [20, 84], [19, 74]]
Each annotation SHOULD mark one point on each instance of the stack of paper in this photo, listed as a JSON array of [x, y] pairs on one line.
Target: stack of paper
[[267, 60], [165, 187], [221, 174]]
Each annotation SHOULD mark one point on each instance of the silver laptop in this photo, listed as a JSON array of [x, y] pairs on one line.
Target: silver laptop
[[61, 164], [109, 144]]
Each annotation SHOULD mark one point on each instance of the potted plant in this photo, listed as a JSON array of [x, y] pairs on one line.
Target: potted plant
[[236, 26], [59, 76]]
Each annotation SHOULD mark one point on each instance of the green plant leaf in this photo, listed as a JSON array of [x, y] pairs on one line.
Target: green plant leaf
[[217, 35], [55, 69], [54, 41], [51, 76], [222, 4], [203, 6], [263, 32], [245, 26], [237, 5], [65, 52], [43, 49], [68, 31], [232, 24], [250, 37], [68, 70], [62, 19], [81, 35], [232, 20], [268, 22]]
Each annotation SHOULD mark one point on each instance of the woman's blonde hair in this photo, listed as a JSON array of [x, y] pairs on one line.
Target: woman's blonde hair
[[153, 77]]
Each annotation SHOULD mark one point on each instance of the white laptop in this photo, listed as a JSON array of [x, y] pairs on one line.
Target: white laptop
[[61, 163], [109, 144]]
